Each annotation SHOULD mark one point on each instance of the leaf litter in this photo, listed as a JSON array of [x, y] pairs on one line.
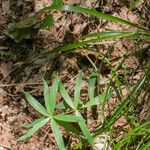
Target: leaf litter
[[15, 111]]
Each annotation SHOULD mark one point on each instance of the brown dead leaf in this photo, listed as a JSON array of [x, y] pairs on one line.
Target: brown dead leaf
[[5, 69], [132, 17], [2, 95], [19, 88], [139, 6], [124, 12], [6, 7], [120, 122], [128, 43], [41, 4]]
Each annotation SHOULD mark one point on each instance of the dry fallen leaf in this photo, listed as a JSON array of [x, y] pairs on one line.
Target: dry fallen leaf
[[5, 69]]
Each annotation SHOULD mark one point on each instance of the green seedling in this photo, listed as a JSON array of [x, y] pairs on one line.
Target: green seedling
[[48, 113], [64, 119]]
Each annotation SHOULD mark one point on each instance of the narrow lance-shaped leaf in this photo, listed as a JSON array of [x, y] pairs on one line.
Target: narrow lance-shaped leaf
[[68, 118], [35, 128], [46, 96], [103, 34], [57, 135], [68, 126], [77, 89], [91, 86], [85, 129], [35, 104], [53, 95], [65, 95], [29, 125]]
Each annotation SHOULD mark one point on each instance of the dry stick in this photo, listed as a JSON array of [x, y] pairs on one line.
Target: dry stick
[[15, 84], [9, 148]]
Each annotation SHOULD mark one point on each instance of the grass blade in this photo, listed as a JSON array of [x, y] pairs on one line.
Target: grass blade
[[35, 104], [66, 96], [146, 146], [57, 134], [136, 132], [29, 125], [35, 128], [125, 105], [101, 15], [69, 127], [85, 129], [53, 95], [77, 90], [46, 96], [103, 34], [68, 118], [93, 13], [91, 85], [79, 44]]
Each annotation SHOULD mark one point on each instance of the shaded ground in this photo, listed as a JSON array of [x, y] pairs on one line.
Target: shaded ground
[[17, 74]]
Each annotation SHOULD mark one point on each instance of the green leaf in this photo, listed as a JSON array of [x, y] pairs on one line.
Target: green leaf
[[66, 96], [58, 135], [57, 3], [68, 118], [77, 90], [35, 104], [69, 127], [48, 21], [103, 34], [53, 95], [91, 86], [29, 125], [62, 105], [46, 96], [85, 129], [50, 98], [35, 128], [98, 100]]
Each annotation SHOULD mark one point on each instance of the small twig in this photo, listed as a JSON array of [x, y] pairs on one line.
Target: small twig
[[15, 84], [1, 145]]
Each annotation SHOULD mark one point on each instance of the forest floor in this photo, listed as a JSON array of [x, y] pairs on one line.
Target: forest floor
[[19, 73]]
